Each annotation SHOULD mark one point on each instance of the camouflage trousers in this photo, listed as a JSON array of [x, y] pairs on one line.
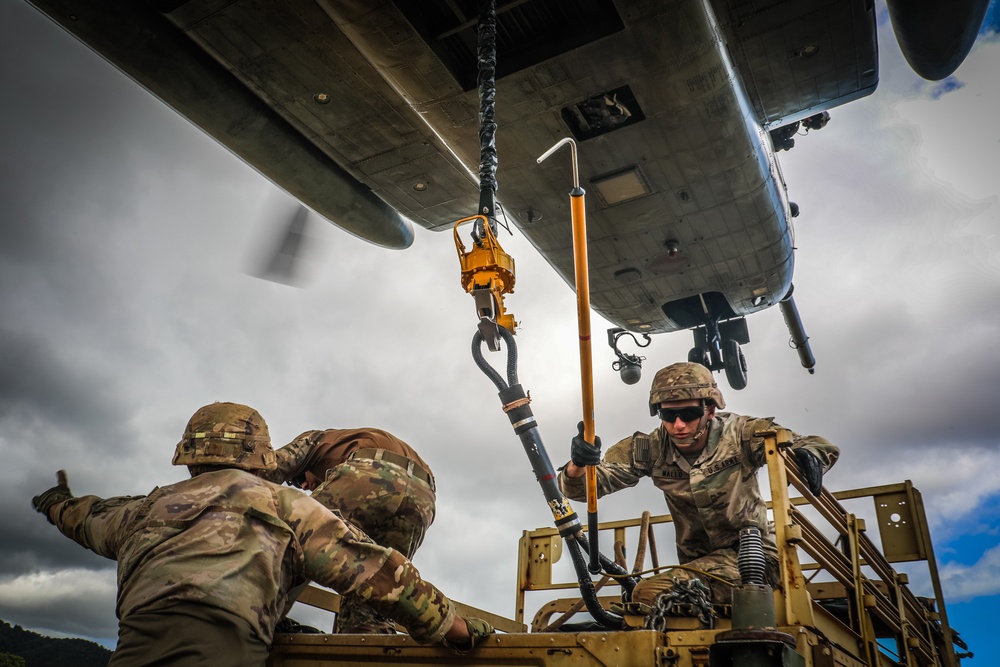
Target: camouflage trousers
[[721, 564], [393, 507], [187, 633]]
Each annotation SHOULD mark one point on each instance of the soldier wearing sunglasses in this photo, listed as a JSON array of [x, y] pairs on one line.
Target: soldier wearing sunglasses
[[706, 463]]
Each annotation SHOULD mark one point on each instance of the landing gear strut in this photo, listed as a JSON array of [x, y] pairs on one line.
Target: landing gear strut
[[717, 347], [699, 355]]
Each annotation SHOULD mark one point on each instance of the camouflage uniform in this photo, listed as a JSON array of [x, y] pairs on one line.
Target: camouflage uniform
[[374, 480], [709, 499], [231, 542]]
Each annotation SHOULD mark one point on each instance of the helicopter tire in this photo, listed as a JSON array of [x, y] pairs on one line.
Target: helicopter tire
[[735, 364], [699, 355]]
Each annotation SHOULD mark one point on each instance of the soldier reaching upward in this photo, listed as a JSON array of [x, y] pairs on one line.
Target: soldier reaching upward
[[375, 481], [705, 463], [205, 565]]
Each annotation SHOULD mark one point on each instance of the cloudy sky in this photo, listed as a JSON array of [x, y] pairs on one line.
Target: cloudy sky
[[125, 235]]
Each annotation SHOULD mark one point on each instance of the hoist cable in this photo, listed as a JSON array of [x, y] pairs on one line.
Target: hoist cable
[[487, 59]]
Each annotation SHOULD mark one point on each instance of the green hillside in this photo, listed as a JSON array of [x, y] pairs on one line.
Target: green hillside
[[23, 648]]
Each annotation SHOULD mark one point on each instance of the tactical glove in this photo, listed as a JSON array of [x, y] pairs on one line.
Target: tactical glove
[[811, 469], [56, 494], [582, 453], [478, 631]]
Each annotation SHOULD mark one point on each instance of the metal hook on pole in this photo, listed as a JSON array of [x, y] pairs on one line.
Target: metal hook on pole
[[582, 279], [572, 151]]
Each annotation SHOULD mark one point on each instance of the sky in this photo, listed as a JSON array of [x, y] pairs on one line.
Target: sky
[[125, 239]]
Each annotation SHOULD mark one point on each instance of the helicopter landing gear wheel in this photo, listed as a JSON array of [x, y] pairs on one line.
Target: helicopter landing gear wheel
[[735, 364], [699, 355]]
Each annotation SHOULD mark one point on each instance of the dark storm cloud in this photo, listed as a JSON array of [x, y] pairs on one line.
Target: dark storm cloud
[[32, 545], [49, 406], [36, 379]]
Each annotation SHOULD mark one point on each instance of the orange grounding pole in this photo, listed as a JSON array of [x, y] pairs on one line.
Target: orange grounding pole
[[582, 278]]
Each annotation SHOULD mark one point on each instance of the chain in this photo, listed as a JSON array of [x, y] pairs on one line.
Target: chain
[[689, 597]]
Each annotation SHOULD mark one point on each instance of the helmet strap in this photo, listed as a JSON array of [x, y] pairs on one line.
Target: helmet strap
[[702, 428]]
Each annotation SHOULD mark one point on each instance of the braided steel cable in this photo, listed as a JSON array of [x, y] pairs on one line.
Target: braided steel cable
[[487, 58]]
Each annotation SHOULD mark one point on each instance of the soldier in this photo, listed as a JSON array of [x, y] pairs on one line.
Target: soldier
[[205, 565], [375, 481], [705, 463]]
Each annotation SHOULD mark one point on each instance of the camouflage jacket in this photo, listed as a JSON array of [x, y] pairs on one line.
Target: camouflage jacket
[[710, 499], [319, 451], [231, 540]]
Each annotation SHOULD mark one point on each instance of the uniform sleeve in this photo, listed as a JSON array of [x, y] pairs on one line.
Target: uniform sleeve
[[290, 459], [397, 591], [386, 580], [616, 471], [825, 451], [96, 523]]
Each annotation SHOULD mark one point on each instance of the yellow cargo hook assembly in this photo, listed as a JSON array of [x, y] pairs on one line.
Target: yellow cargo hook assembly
[[487, 274], [579, 216]]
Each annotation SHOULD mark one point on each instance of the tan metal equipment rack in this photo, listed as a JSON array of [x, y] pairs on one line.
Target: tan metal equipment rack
[[847, 608]]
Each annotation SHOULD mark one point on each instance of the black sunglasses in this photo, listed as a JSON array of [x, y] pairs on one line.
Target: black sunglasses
[[688, 414]]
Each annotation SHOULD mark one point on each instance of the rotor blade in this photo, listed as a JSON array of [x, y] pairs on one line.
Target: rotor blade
[[280, 261]]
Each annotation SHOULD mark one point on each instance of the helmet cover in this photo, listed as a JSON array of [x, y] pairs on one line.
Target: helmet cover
[[683, 381], [227, 434]]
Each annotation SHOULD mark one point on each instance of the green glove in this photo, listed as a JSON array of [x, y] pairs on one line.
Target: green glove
[[56, 494], [478, 630]]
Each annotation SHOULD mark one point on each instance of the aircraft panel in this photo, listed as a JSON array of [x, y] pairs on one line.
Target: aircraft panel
[[797, 58]]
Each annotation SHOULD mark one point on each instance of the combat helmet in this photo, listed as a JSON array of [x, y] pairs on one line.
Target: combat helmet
[[683, 381], [227, 434]]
